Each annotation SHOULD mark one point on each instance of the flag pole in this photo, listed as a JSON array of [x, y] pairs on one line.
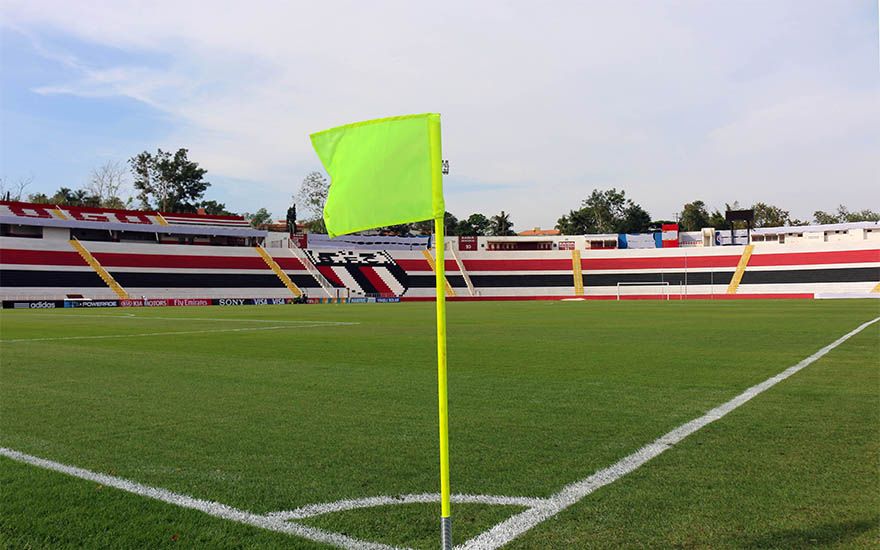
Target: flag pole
[[445, 513], [440, 275]]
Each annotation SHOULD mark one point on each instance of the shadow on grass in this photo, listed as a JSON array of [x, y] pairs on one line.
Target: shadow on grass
[[817, 535]]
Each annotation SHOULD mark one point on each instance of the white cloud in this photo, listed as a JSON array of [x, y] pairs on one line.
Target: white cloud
[[802, 122], [669, 101]]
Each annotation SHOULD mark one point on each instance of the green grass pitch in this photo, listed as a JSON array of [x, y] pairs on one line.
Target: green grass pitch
[[272, 408]]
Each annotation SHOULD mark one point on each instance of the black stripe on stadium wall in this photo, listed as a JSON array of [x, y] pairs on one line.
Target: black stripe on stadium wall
[[398, 273], [788, 276], [675, 278], [90, 279], [361, 279], [566, 280], [208, 280], [69, 279], [845, 275], [427, 281]]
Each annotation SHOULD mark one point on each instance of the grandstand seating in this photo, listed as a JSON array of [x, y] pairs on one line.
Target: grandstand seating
[[42, 258]]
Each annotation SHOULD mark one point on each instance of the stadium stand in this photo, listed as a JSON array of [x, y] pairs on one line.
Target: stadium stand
[[48, 252]]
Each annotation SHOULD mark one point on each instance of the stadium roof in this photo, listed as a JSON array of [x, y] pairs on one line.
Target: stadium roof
[[538, 232]]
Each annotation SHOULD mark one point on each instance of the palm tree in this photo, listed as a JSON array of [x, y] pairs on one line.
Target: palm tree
[[501, 225]]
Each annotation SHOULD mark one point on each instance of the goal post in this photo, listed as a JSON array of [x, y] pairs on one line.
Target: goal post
[[661, 286]]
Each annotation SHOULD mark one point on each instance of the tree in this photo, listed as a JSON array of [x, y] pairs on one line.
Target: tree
[[865, 215], [424, 227], [450, 224], [605, 212], [105, 184], [476, 225], [316, 226], [607, 208], [824, 218], [577, 222], [166, 182], [259, 218], [68, 197], [718, 220], [312, 195], [843, 215], [14, 191], [694, 216], [215, 208], [767, 215], [635, 220], [500, 225], [401, 230]]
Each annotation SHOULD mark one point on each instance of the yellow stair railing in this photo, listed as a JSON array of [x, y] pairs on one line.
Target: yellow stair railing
[[430, 259], [577, 272], [99, 269], [740, 269], [273, 265]]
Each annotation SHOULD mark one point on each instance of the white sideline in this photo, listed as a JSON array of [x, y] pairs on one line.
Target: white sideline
[[145, 334], [539, 509], [134, 317], [507, 530], [209, 507]]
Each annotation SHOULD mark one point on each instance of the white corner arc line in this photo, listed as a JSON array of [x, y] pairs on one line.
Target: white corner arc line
[[208, 507], [516, 525], [146, 334], [313, 510]]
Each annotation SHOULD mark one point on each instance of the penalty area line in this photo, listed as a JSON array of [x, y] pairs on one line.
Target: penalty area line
[[209, 507], [516, 525]]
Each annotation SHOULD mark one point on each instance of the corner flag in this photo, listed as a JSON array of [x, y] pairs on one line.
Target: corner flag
[[389, 172], [382, 172]]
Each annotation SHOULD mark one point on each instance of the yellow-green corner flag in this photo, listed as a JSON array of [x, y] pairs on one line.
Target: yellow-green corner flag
[[389, 172], [382, 172]]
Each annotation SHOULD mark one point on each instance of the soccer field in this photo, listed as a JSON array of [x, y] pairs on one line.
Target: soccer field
[[267, 410]]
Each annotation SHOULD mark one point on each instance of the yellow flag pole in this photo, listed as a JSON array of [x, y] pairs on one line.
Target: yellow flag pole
[[440, 275]]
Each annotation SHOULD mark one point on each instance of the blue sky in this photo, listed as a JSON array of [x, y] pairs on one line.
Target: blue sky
[[671, 101]]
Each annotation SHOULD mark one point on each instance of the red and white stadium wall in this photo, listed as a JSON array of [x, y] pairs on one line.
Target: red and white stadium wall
[[39, 268], [771, 271], [52, 269]]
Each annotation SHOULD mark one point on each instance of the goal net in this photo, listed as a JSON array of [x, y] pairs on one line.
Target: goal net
[[660, 289]]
